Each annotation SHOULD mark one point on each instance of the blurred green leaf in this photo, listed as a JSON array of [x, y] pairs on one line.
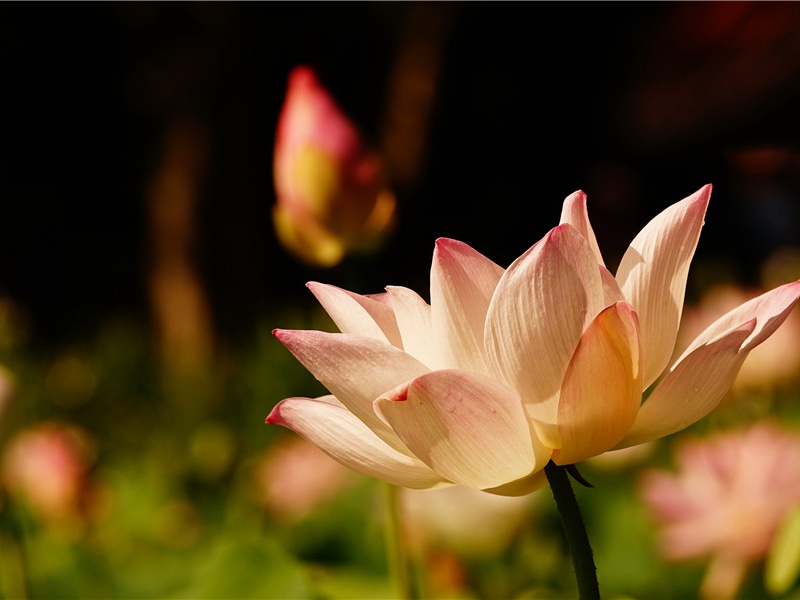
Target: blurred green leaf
[[783, 561]]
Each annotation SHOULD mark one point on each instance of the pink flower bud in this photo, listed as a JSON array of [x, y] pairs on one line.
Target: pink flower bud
[[331, 196]]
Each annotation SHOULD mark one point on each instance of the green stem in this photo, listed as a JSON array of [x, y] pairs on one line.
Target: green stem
[[396, 551], [575, 530]]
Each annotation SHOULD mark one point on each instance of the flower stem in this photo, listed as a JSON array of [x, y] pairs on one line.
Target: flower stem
[[396, 551], [575, 530]]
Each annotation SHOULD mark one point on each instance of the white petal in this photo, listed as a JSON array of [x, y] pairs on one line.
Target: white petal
[[466, 427], [336, 431], [574, 212], [692, 389], [356, 314], [769, 309], [355, 369], [462, 284], [653, 272], [414, 321], [542, 305]]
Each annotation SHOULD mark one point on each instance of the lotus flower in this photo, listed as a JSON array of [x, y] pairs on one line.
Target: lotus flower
[[331, 197], [726, 501], [506, 370]]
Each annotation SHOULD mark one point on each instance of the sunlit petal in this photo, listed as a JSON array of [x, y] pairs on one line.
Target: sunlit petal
[[356, 314], [328, 425], [414, 321], [653, 273], [769, 309], [541, 306], [602, 388], [574, 212], [466, 427], [462, 284], [355, 369], [692, 389]]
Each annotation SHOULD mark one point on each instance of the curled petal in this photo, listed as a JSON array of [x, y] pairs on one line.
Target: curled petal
[[356, 314], [414, 321], [769, 309], [692, 388], [466, 427], [327, 424], [541, 306], [653, 273], [462, 284], [355, 369], [602, 388], [574, 212]]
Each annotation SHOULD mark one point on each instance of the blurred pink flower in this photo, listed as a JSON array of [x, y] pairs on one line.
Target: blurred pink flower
[[545, 360], [726, 500], [293, 477], [331, 194], [46, 465]]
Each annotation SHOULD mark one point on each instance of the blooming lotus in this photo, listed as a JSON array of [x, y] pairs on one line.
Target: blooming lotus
[[331, 198], [506, 370]]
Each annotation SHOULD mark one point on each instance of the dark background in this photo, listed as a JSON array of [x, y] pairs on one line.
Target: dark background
[[638, 104]]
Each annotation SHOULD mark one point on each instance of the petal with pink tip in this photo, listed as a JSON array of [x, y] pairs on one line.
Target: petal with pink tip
[[413, 316], [692, 389], [327, 424], [602, 388], [468, 428], [356, 314], [653, 273], [770, 309], [574, 212], [355, 369], [462, 284], [541, 306]]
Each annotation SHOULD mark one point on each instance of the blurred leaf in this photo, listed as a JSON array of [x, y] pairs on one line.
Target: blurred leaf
[[783, 561], [250, 568]]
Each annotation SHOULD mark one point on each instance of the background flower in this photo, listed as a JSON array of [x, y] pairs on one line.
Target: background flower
[[726, 499], [331, 194]]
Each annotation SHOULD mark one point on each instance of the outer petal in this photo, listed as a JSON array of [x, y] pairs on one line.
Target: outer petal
[[602, 388], [462, 284], [327, 424], [692, 389], [574, 212], [414, 321], [540, 308], [769, 309], [653, 272], [356, 370], [466, 427], [360, 315]]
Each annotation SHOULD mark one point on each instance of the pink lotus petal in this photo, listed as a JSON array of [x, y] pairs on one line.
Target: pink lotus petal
[[541, 306], [331, 427], [602, 388], [692, 389], [462, 284], [466, 427], [769, 309], [653, 273], [413, 316], [574, 212], [355, 369], [356, 314]]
